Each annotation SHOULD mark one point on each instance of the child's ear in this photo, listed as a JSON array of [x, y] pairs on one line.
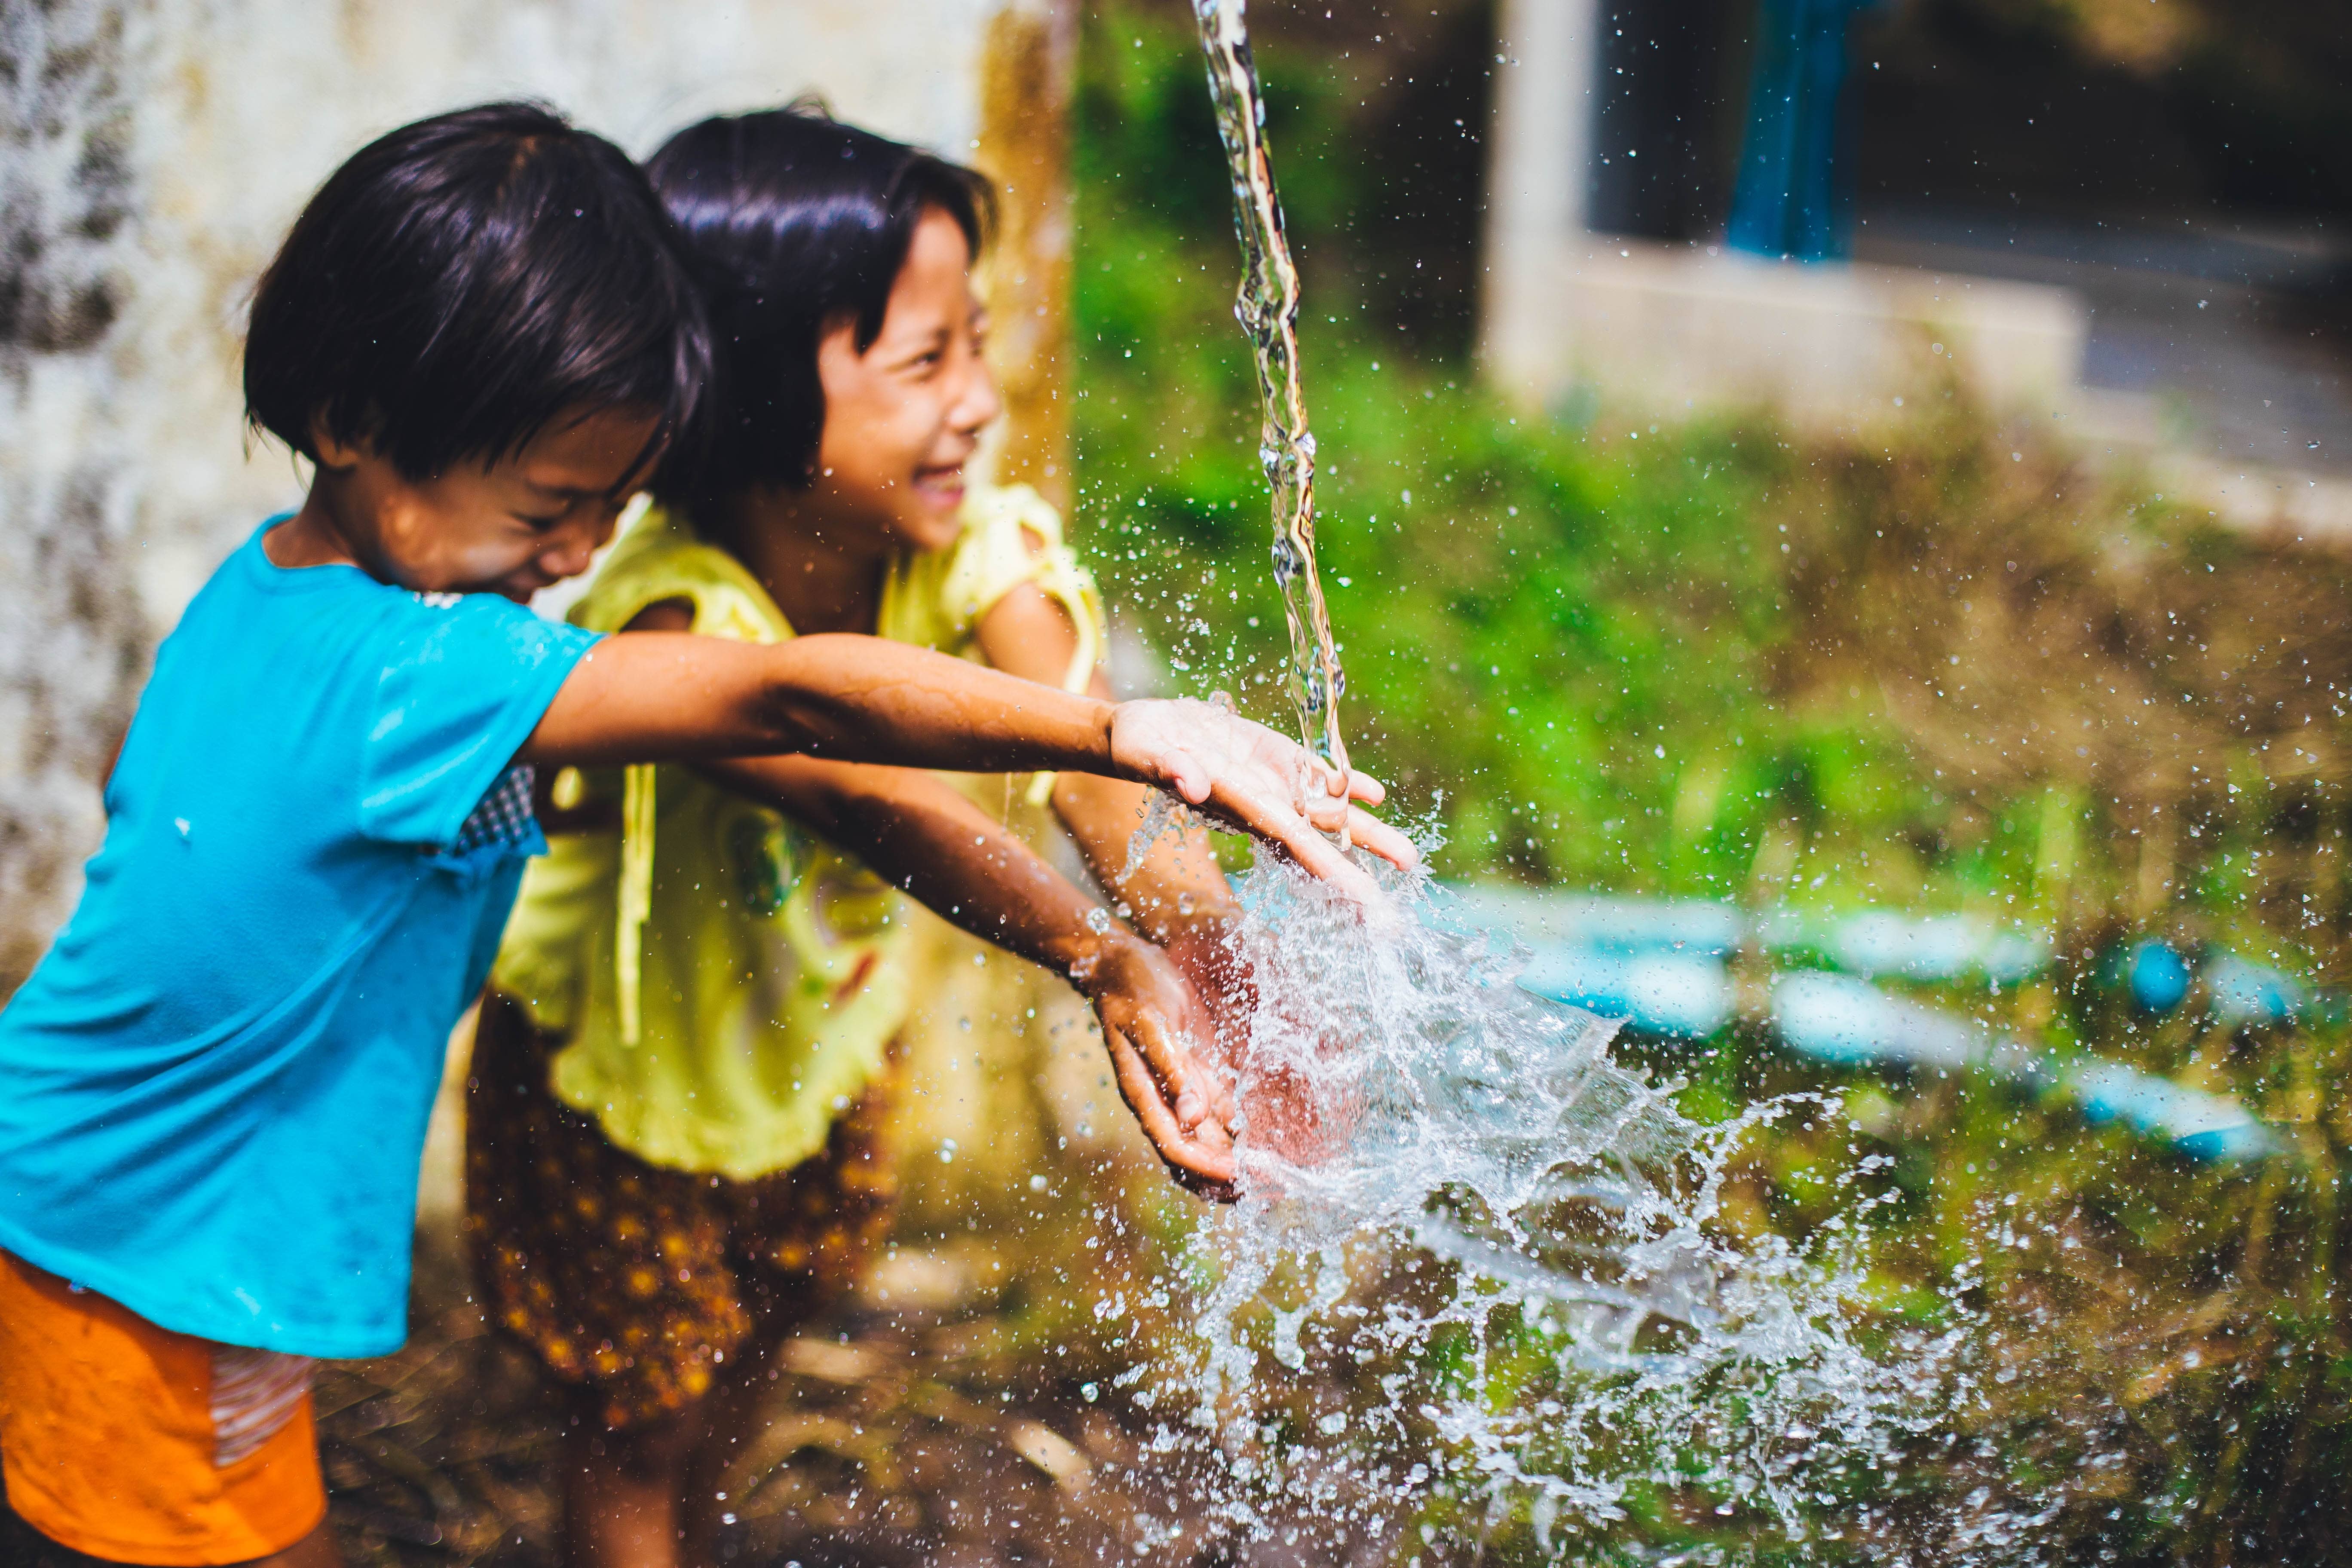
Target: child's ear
[[333, 451]]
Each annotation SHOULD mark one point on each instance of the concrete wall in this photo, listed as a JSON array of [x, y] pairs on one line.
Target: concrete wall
[[1673, 327], [151, 155], [1676, 329]]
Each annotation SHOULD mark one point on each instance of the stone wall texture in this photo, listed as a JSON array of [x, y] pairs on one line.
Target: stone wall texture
[[153, 153]]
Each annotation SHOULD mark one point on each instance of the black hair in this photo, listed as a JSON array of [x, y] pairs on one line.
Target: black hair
[[461, 283], [792, 221]]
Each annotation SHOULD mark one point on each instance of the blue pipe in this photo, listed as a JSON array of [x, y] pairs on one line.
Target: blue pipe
[[1849, 1022], [1868, 942]]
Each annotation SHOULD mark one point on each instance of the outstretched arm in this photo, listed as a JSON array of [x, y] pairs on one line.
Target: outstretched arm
[[656, 696], [1175, 888], [915, 830]]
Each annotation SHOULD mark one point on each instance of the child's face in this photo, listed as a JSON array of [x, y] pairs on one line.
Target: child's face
[[511, 528], [902, 418]]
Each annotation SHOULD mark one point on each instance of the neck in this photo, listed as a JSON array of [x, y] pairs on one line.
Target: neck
[[320, 534], [824, 575]]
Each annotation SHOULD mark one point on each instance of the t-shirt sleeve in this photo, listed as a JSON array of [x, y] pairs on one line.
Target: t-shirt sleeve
[[1015, 538], [463, 685]]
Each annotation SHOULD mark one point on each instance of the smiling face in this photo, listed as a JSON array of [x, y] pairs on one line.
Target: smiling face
[[511, 528], [902, 418]]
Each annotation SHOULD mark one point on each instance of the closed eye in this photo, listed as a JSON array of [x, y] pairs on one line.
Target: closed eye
[[930, 357]]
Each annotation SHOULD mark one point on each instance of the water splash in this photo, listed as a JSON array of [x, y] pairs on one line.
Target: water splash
[[1267, 308], [1477, 1252], [1473, 1251]]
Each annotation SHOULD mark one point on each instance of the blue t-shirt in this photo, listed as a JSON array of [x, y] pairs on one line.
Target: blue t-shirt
[[213, 1088]]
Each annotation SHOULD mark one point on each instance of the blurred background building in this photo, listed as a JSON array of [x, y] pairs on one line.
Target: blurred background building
[[2127, 215], [2123, 215]]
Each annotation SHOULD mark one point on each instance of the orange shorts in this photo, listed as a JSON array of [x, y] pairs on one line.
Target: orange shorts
[[134, 1443]]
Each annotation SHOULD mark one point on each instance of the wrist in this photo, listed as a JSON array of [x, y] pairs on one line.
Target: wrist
[[1106, 763], [1170, 922], [1097, 952]]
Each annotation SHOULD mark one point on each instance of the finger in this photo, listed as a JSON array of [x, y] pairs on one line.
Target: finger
[[1321, 859], [1336, 815], [1184, 776], [1366, 788], [1174, 1068], [1390, 845], [1218, 1107], [1223, 1106], [1316, 855], [1328, 810], [1204, 1161]]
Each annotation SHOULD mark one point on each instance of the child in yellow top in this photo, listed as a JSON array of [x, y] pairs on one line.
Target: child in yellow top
[[214, 1086], [673, 1148]]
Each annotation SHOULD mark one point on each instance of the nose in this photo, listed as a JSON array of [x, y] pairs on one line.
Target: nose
[[572, 549], [977, 403]]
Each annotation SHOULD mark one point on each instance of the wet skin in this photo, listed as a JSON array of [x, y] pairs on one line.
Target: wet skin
[[514, 525]]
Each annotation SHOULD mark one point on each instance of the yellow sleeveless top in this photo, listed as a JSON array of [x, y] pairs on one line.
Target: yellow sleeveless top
[[726, 980]]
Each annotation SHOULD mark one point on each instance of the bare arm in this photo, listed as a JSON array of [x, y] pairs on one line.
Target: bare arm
[[674, 697], [1178, 884], [915, 830], [920, 832], [659, 695], [1177, 895]]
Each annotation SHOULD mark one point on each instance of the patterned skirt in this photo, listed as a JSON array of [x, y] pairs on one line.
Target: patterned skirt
[[635, 1282]]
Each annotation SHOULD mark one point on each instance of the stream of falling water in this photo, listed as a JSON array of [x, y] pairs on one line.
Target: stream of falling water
[[1267, 308], [1476, 1259]]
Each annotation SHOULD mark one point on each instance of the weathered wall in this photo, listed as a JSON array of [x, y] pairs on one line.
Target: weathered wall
[[151, 154]]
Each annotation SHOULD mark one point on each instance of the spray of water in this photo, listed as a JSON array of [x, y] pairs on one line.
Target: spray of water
[[1475, 1251], [1267, 308]]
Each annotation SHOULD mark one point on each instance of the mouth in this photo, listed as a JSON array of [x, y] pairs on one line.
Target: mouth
[[941, 485]]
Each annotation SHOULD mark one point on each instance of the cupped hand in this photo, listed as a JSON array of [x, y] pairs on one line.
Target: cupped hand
[[1247, 777], [1303, 1113], [1154, 1025]]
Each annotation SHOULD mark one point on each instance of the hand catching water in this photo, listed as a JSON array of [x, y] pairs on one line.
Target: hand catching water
[[1247, 777], [1301, 1113], [1154, 1024]]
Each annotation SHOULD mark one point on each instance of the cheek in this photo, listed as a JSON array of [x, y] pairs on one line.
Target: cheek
[[874, 447], [486, 556]]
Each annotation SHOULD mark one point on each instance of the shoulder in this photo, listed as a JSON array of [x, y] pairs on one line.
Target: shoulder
[[476, 631], [295, 618], [1010, 535], [661, 557], [1009, 517]]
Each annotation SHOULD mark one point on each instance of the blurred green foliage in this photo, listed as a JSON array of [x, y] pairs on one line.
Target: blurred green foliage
[[1561, 637], [1937, 667], [1693, 659], [1495, 581]]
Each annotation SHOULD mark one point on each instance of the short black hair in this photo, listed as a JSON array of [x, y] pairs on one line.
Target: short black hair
[[462, 282], [791, 221]]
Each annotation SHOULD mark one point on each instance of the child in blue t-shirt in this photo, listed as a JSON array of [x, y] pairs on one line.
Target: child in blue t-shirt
[[213, 1090]]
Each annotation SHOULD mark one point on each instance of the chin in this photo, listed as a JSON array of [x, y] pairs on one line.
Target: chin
[[936, 528]]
